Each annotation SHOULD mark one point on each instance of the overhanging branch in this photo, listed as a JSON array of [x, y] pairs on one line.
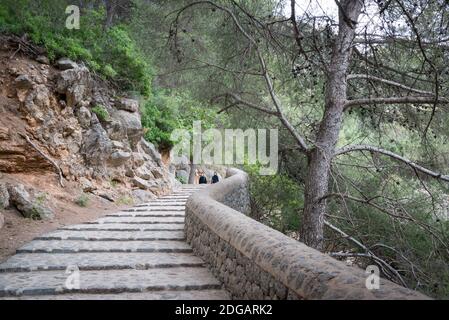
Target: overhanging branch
[[393, 155], [395, 100], [367, 202], [269, 82], [368, 252], [389, 82], [237, 100]]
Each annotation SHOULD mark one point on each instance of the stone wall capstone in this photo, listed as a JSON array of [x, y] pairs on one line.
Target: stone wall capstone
[[254, 261]]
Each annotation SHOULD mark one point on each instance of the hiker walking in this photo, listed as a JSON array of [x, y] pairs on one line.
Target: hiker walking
[[203, 179], [197, 177], [215, 178]]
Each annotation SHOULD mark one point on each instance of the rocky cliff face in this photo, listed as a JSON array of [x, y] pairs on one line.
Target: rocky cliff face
[[63, 117]]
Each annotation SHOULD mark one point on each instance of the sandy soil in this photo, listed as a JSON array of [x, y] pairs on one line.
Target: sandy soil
[[18, 230]]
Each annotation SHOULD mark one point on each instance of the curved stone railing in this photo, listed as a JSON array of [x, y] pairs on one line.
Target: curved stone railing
[[254, 261]]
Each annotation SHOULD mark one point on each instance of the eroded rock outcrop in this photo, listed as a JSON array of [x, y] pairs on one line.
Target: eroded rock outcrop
[[4, 196], [129, 105], [28, 207], [57, 108]]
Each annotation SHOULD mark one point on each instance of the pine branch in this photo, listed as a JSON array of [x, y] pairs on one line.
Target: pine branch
[[389, 82], [395, 156], [395, 100]]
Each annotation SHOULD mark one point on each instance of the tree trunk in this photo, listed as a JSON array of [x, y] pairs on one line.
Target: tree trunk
[[192, 173], [110, 12], [317, 180]]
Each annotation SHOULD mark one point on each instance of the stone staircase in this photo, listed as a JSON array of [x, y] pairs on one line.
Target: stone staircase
[[139, 253]]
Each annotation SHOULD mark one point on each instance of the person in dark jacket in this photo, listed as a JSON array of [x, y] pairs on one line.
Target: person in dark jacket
[[215, 178], [203, 179]]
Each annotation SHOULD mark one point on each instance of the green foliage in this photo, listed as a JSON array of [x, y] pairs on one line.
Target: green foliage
[[101, 113], [123, 59], [182, 180], [41, 198], [276, 200], [110, 52], [82, 200], [159, 119], [109, 71], [410, 228], [125, 200], [114, 183], [36, 212], [167, 111]]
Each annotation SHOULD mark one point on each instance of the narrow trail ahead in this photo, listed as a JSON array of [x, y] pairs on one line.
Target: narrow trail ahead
[[139, 253]]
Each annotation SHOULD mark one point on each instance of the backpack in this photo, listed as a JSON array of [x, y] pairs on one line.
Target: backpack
[[203, 180]]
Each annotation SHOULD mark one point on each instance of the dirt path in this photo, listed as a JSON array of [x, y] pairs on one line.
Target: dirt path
[[18, 230]]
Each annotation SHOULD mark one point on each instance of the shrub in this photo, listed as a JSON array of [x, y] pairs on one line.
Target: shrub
[[101, 113], [182, 180], [125, 200], [126, 60], [276, 200], [82, 200], [112, 52], [36, 213], [41, 198], [114, 183], [168, 110]]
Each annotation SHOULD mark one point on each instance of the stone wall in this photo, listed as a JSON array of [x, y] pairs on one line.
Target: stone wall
[[254, 261]]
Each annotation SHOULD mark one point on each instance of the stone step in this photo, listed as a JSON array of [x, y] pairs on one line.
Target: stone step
[[193, 186], [155, 208], [71, 246], [184, 192], [164, 203], [144, 220], [107, 281], [154, 295], [98, 261], [146, 214], [159, 203], [176, 204], [112, 235], [175, 196], [157, 211], [124, 227], [182, 195]]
